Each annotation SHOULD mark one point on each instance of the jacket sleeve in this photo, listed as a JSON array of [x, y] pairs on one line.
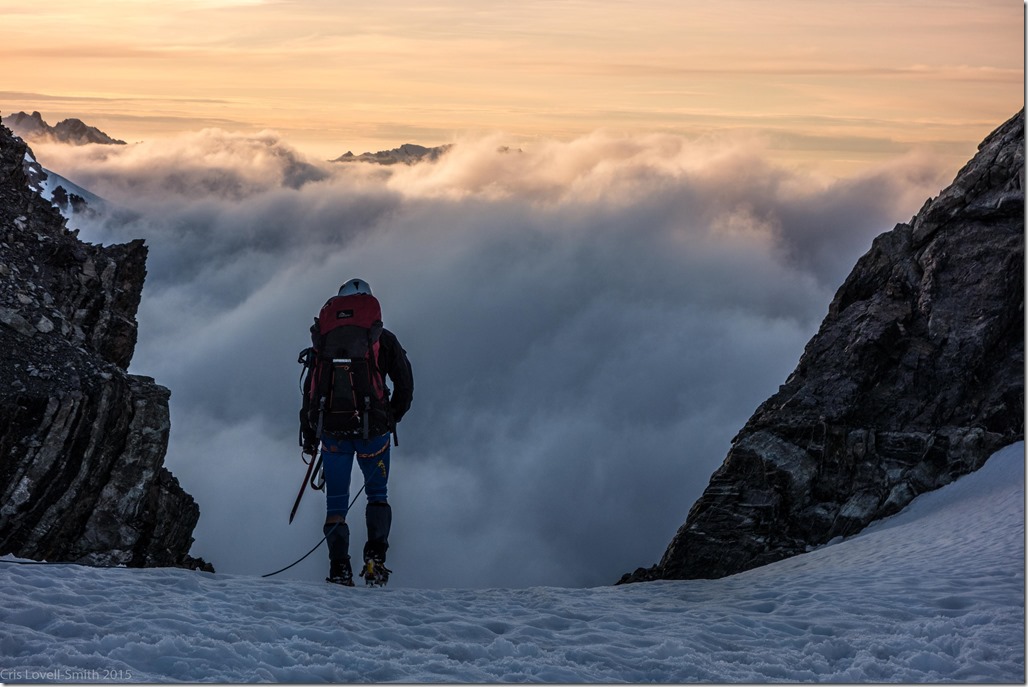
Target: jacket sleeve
[[394, 363]]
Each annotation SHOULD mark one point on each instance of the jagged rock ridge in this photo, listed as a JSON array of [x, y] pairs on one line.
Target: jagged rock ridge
[[407, 154], [915, 377], [82, 442], [32, 127]]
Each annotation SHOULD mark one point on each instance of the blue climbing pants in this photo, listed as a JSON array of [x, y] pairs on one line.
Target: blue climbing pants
[[337, 457]]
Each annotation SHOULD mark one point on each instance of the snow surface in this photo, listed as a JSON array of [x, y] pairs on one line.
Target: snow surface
[[933, 594], [53, 180]]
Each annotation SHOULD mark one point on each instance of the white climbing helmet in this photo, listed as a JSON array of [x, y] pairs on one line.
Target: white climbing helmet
[[355, 286]]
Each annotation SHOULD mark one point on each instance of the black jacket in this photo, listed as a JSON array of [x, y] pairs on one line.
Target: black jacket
[[393, 363]]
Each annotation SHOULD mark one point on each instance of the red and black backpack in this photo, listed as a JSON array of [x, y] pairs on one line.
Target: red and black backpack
[[346, 386]]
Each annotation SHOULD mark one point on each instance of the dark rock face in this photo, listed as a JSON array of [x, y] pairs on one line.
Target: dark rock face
[[82, 442], [915, 377]]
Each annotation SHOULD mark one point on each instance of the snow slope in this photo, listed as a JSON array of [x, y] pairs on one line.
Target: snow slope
[[935, 593]]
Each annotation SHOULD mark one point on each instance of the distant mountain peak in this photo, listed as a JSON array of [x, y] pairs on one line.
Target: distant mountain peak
[[73, 131], [408, 154]]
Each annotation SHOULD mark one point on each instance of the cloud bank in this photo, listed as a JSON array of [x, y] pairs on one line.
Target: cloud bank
[[589, 322]]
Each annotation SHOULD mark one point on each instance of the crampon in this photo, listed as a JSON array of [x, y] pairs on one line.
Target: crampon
[[375, 573]]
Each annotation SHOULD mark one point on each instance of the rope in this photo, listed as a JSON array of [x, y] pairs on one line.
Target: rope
[[271, 574], [316, 546], [322, 540]]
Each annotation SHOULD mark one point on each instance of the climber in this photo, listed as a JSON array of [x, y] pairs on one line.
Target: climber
[[345, 395]]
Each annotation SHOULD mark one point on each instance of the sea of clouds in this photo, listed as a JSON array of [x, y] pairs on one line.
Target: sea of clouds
[[590, 322]]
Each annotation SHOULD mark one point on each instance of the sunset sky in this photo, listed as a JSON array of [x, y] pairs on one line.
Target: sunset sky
[[695, 181], [838, 84]]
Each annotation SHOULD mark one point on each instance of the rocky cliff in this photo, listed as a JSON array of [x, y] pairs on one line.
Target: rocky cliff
[[915, 377], [82, 442]]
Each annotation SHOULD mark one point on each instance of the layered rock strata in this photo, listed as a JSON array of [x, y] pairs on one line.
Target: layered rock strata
[[82, 442]]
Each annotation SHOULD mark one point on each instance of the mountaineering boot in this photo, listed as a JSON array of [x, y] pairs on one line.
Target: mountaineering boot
[[339, 572], [338, 537], [380, 518]]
